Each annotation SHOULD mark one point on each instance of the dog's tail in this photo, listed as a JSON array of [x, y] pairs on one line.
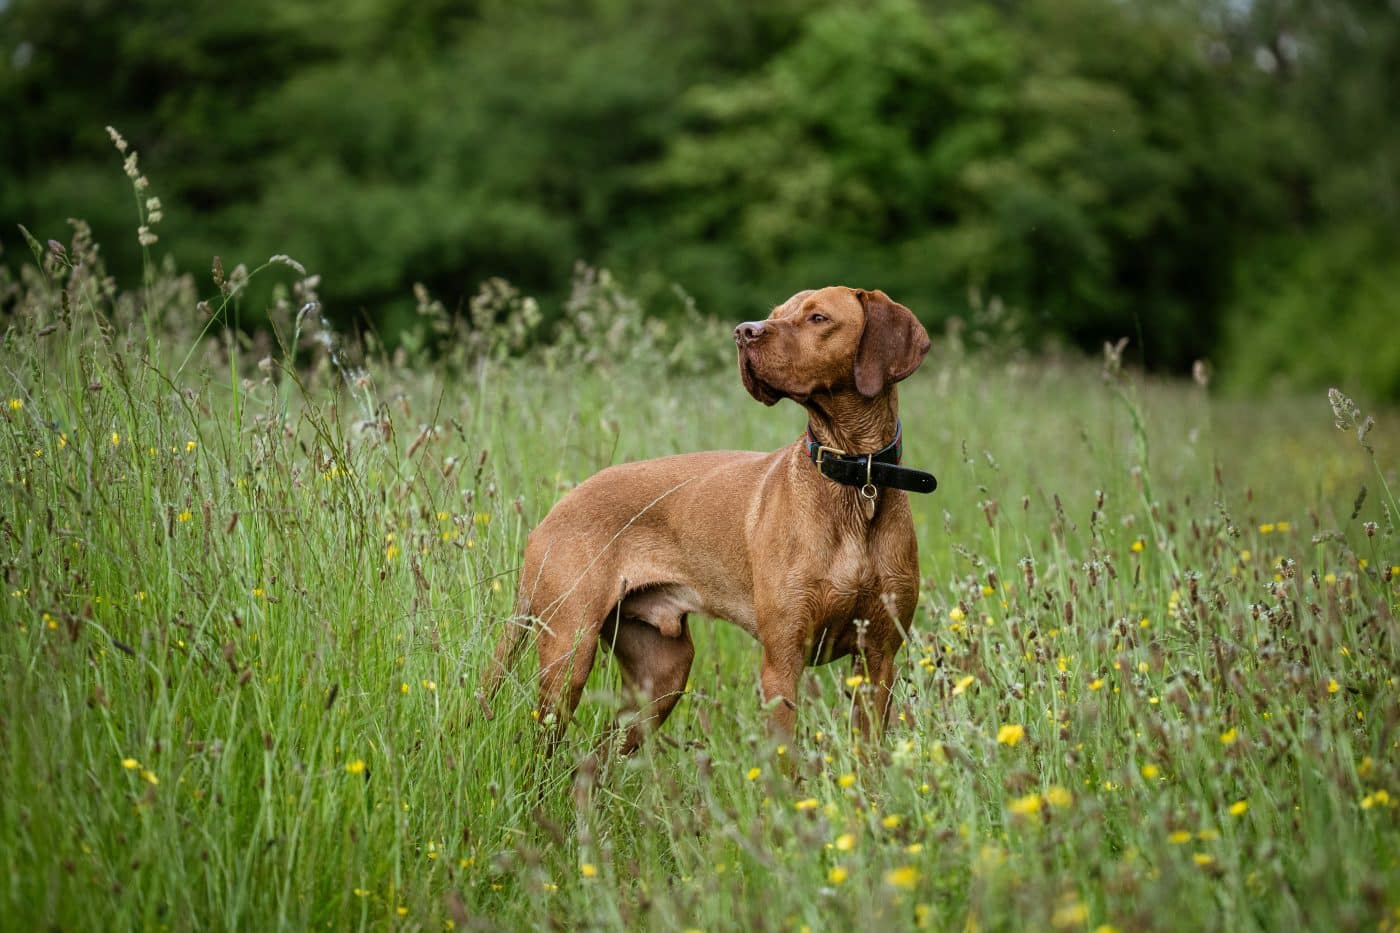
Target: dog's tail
[[502, 660]]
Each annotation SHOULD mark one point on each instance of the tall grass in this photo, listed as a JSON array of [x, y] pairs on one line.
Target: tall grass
[[251, 585]]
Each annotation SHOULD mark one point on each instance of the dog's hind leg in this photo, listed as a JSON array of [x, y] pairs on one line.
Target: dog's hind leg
[[566, 660], [655, 663]]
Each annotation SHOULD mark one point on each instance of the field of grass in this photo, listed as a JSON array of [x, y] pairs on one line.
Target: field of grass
[[251, 585]]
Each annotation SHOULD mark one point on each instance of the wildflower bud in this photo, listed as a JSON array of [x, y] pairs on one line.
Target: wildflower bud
[[289, 262], [1345, 412], [56, 247], [1370, 529], [1113, 357], [117, 139]]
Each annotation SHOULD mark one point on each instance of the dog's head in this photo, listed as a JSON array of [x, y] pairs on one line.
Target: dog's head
[[830, 340]]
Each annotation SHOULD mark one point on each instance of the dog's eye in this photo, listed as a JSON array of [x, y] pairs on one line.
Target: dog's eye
[[817, 318]]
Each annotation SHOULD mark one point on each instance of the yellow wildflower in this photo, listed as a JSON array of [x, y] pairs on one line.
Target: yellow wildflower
[[854, 681], [1138, 546], [1239, 807], [588, 870], [1072, 914], [956, 614], [808, 804], [1010, 734], [1180, 837], [1150, 772], [1058, 796], [184, 516], [1379, 797], [1333, 686], [149, 778], [837, 874], [961, 686], [130, 764], [1200, 858], [1229, 736], [1096, 684], [1028, 805], [355, 767], [846, 780], [16, 404], [116, 438], [890, 822], [845, 842], [904, 878]]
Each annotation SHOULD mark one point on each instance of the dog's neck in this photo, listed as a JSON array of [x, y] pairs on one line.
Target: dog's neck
[[851, 422]]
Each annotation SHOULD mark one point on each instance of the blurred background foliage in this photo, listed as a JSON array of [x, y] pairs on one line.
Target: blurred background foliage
[[1212, 178]]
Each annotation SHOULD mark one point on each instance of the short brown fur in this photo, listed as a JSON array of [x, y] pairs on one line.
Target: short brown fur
[[763, 540]]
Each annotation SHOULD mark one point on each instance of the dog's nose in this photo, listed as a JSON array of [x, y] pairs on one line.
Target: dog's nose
[[748, 332]]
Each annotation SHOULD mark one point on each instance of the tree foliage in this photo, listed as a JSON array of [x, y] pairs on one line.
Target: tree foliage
[[1185, 173]]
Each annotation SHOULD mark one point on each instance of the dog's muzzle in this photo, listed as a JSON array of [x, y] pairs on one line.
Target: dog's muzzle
[[750, 332]]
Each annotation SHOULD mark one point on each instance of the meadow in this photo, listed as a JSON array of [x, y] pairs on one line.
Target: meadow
[[252, 582]]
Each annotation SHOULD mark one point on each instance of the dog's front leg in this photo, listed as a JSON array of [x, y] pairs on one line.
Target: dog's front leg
[[872, 702], [783, 663]]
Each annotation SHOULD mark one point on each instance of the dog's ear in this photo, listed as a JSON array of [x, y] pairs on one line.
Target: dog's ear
[[892, 345]]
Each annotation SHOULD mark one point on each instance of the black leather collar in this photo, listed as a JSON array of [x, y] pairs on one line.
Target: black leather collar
[[869, 471]]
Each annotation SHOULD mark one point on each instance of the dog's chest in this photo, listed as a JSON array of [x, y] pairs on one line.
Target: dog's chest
[[850, 572], [850, 591]]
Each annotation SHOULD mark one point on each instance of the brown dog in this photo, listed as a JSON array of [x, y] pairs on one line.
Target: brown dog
[[815, 569]]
